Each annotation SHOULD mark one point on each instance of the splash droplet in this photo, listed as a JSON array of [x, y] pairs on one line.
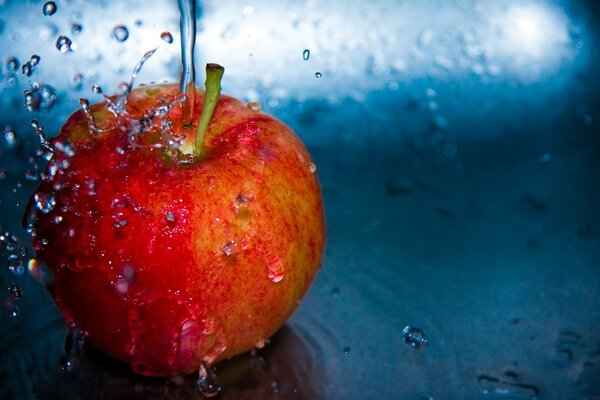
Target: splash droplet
[[318, 74], [208, 382], [306, 54], [96, 89], [76, 28], [64, 44], [120, 33], [414, 337], [49, 8], [167, 37], [347, 350]]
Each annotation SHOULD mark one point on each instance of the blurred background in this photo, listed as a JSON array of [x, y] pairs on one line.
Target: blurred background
[[458, 149]]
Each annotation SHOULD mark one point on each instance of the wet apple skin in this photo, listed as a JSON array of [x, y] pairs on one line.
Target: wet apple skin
[[167, 265]]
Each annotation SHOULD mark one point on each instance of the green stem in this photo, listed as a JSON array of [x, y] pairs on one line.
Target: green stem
[[214, 74]]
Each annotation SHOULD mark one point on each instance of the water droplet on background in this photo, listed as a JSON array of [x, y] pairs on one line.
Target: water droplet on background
[[76, 28], [96, 89], [346, 350], [414, 337], [208, 382], [167, 37], [318, 74], [120, 33], [49, 8], [306, 54]]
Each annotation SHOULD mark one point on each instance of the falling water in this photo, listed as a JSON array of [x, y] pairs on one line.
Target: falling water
[[187, 85]]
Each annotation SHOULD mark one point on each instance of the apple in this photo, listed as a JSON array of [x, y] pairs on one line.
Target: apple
[[175, 246]]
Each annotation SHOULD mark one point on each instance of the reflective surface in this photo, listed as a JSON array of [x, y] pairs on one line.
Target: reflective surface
[[458, 148]]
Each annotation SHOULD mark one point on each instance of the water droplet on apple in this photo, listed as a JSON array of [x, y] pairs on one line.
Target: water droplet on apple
[[12, 63], [275, 268], [120, 33], [167, 37], [414, 337], [121, 285], [318, 74], [64, 44], [254, 106], [208, 382], [15, 291], [229, 248], [260, 343], [306, 54], [96, 89], [74, 342], [49, 8], [312, 168], [170, 216], [44, 202]]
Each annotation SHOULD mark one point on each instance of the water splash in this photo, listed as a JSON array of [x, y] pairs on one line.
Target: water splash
[[137, 69], [187, 81]]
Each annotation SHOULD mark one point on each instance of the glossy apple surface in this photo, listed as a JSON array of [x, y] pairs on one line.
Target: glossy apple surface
[[166, 262]]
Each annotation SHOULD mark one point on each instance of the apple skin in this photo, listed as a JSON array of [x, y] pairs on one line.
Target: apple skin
[[166, 265]]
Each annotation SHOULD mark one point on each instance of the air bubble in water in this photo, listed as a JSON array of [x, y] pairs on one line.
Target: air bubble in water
[[12, 63], [167, 37], [15, 291], [318, 74], [64, 44], [306, 54], [120, 33], [208, 383], [414, 337], [49, 8]]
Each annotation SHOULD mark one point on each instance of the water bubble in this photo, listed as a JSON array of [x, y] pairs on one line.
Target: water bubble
[[275, 268], [96, 89], [40, 97], [312, 168], [12, 63], [490, 385], [167, 37], [318, 74], [229, 248], [64, 44], [306, 54], [76, 28], [74, 342], [414, 337], [254, 106], [208, 382], [44, 202], [12, 311], [16, 265], [10, 138], [49, 8], [34, 60], [15, 291], [120, 33]]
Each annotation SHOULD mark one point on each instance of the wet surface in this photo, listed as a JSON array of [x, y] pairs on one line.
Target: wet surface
[[473, 222]]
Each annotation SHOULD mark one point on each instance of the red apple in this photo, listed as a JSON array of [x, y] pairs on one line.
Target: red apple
[[167, 261]]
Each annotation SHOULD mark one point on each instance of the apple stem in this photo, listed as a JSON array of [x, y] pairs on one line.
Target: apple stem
[[214, 74]]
